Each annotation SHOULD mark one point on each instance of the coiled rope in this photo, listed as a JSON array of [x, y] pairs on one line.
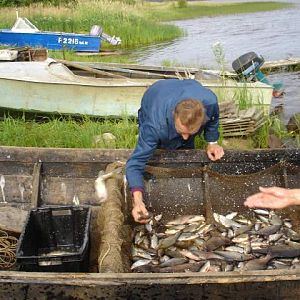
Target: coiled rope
[[8, 245]]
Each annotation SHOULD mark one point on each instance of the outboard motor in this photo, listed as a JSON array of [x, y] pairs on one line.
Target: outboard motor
[[248, 66], [97, 30]]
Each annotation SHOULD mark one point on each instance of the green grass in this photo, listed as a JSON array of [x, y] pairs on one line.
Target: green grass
[[275, 127], [127, 21], [206, 9], [67, 133]]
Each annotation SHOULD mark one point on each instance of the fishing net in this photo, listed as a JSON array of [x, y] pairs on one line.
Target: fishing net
[[206, 190], [115, 236], [185, 190]]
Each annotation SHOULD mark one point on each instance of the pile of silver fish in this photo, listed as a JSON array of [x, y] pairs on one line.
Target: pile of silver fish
[[231, 243]]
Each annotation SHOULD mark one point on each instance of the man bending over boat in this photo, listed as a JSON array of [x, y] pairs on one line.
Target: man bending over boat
[[172, 113]]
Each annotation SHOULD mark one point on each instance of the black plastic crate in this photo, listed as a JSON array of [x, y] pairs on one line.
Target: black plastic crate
[[55, 239]]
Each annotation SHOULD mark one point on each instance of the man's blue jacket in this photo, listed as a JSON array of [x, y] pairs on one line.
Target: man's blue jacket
[[157, 127]]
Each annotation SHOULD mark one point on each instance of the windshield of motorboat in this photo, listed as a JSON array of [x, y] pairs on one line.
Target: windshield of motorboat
[[24, 25]]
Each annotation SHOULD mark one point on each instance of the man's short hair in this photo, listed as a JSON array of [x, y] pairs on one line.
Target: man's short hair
[[190, 112]]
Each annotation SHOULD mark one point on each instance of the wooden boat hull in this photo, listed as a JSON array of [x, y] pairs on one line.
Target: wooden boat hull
[[253, 285], [52, 88], [44, 171]]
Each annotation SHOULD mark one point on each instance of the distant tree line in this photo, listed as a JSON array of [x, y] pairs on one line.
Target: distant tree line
[[10, 3]]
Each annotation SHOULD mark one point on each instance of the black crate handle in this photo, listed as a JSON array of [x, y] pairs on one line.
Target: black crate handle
[[62, 212], [47, 263]]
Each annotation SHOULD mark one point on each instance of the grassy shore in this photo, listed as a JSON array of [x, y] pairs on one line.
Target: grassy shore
[[173, 11], [68, 133]]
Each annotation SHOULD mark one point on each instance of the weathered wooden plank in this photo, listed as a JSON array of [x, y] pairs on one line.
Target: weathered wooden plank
[[237, 120], [256, 285], [17, 189], [247, 113], [143, 68], [65, 191], [10, 168], [73, 169], [106, 156], [36, 185], [289, 64], [12, 219], [118, 278], [89, 69], [32, 155], [237, 125]]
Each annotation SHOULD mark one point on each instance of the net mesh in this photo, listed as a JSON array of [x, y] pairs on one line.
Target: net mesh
[[221, 193], [115, 236]]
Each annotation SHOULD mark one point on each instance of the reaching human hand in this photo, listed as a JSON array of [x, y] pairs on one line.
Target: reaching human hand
[[214, 152], [139, 212], [274, 198]]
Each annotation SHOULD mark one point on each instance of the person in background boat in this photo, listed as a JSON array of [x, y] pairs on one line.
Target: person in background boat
[[172, 113], [274, 198]]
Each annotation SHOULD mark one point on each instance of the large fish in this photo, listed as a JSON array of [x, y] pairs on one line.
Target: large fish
[[169, 241], [279, 251], [257, 264], [216, 242], [268, 230]]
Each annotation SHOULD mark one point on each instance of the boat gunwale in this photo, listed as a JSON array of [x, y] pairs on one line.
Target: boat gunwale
[[90, 155], [127, 82], [85, 279]]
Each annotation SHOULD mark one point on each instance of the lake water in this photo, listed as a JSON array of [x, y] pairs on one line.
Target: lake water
[[274, 35]]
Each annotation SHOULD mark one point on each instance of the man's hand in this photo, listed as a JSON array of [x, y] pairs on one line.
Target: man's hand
[[274, 198], [139, 211], [214, 152]]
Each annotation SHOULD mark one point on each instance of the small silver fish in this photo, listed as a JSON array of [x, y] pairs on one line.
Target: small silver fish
[[154, 241], [139, 263], [235, 249], [241, 238], [225, 222], [100, 186], [231, 215], [189, 255], [187, 236], [234, 256], [186, 220], [263, 212], [275, 237], [205, 267], [173, 262]]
